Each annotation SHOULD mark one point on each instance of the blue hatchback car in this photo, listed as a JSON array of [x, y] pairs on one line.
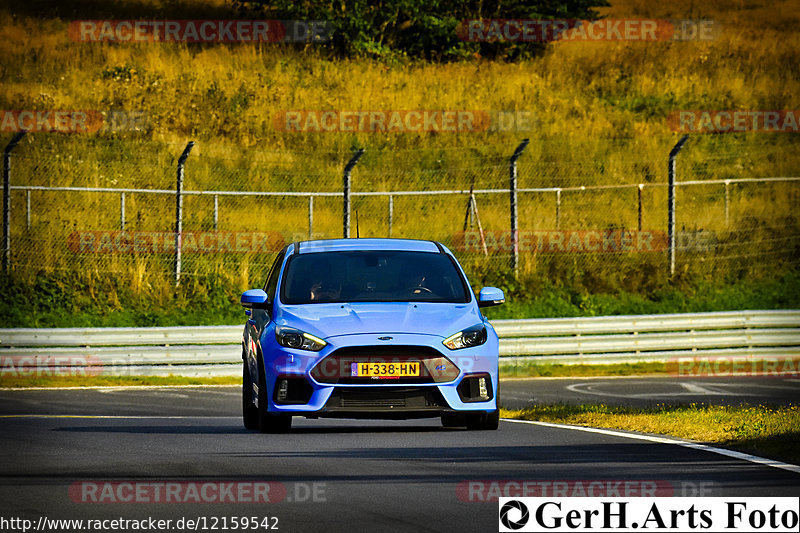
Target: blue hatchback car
[[368, 328]]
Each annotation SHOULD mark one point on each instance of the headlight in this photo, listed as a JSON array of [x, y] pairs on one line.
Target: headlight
[[294, 338], [474, 336]]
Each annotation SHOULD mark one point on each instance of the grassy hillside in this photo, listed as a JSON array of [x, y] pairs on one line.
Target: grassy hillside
[[232, 91], [598, 118]]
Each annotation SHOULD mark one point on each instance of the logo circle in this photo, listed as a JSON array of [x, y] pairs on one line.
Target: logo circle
[[523, 511]]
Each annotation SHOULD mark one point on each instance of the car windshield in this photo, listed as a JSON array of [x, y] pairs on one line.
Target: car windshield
[[372, 276]]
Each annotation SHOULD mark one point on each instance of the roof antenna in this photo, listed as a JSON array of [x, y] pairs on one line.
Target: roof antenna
[[357, 235]]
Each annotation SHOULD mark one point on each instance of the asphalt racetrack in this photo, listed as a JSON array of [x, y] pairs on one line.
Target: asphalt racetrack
[[182, 453], [651, 391]]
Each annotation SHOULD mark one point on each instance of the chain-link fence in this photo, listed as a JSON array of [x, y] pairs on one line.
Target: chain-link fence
[[593, 215]]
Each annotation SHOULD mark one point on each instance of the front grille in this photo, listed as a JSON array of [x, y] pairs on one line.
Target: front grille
[[386, 399], [336, 368], [376, 402]]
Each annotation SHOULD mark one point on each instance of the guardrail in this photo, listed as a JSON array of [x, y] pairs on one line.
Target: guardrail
[[216, 351], [635, 338]]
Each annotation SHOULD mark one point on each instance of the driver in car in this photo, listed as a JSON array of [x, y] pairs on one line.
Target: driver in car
[[324, 288], [415, 284]]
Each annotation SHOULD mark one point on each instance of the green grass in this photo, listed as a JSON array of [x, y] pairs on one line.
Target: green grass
[[762, 430], [93, 300], [535, 370], [703, 296]]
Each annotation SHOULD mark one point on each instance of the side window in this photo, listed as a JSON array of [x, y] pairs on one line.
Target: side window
[[271, 286]]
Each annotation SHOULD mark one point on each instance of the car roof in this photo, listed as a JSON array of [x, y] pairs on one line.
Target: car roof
[[339, 245]]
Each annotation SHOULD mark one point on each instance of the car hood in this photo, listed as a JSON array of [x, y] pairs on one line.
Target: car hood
[[331, 320]]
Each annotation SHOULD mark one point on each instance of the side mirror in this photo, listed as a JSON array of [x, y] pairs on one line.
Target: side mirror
[[255, 299], [490, 296]]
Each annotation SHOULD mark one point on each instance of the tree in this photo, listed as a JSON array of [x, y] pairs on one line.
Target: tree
[[426, 29]]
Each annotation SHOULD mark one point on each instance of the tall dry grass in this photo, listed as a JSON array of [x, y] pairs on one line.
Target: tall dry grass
[[600, 118]]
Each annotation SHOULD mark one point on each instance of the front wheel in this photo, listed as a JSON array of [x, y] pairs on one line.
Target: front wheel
[[484, 421], [269, 422], [249, 410]]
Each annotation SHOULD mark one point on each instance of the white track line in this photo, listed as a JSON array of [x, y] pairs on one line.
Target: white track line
[[661, 440], [690, 389], [122, 417], [786, 376], [120, 387]]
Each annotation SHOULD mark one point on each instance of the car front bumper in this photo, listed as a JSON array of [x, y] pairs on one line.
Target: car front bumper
[[318, 383]]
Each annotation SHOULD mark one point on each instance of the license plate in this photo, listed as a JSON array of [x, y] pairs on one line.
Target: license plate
[[384, 370]]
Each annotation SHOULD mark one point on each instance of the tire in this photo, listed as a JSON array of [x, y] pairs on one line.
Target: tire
[[483, 421], [269, 422], [249, 410]]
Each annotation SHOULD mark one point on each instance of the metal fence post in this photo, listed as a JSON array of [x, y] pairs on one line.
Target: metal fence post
[[558, 208], [671, 202], [727, 202], [216, 212], [7, 198], [346, 207], [639, 202], [179, 210], [122, 211], [27, 209], [391, 214], [310, 217], [512, 164]]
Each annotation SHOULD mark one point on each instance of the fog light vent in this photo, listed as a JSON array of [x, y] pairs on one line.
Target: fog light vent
[[292, 390], [283, 390], [482, 388], [475, 388]]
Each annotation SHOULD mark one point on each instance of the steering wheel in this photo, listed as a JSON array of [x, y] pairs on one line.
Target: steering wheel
[[419, 289]]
